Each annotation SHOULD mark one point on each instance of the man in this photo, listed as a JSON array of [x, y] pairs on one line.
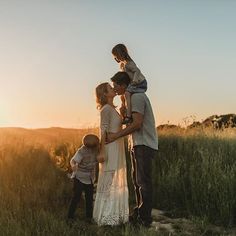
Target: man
[[145, 145]]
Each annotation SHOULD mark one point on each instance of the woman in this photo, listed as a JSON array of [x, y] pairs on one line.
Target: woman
[[111, 203]]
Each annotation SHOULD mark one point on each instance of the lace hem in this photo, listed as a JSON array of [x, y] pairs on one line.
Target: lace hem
[[113, 219]]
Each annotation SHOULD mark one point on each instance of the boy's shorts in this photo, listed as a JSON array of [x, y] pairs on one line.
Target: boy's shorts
[[138, 88]]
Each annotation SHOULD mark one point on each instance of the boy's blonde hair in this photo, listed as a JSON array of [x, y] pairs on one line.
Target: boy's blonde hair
[[121, 52], [90, 140]]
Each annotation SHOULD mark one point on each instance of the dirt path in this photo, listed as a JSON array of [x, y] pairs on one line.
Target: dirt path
[[181, 226]]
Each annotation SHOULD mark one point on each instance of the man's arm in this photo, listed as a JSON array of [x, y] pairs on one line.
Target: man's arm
[[135, 125]]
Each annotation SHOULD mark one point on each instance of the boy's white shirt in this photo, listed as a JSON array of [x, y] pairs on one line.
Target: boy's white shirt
[[77, 159]]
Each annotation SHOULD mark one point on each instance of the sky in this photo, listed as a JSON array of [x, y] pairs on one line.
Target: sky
[[55, 52]]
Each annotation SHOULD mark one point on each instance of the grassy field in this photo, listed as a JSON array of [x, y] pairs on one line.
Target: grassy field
[[194, 177]]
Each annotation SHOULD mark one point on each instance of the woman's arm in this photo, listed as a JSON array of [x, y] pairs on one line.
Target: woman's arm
[[135, 125]]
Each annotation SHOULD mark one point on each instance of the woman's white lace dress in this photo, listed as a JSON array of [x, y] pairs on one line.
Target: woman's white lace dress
[[111, 203]]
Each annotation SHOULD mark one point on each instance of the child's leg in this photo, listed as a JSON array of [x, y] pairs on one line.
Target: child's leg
[[123, 107], [122, 98], [128, 103], [77, 191], [89, 200]]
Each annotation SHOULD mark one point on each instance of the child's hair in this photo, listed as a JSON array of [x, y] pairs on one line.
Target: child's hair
[[101, 98], [90, 140], [121, 52]]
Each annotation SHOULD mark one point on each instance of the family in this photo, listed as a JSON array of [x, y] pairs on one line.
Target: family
[[111, 202]]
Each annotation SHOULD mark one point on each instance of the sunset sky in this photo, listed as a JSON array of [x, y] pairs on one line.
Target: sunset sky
[[55, 52]]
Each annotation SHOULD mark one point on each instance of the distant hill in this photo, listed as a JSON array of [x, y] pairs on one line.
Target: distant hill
[[214, 121], [217, 122], [66, 134], [165, 127], [42, 136]]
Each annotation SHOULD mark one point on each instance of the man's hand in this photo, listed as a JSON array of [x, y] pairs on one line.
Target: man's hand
[[111, 137]]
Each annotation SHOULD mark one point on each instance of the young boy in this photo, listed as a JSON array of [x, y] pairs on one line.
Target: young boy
[[83, 164]]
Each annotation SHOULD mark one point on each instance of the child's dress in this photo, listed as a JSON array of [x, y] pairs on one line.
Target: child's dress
[[111, 203]]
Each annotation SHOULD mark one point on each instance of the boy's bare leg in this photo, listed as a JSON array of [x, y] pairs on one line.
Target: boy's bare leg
[[123, 106], [122, 98], [128, 103], [126, 108]]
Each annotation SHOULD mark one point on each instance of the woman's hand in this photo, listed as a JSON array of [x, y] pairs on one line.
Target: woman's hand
[[101, 157]]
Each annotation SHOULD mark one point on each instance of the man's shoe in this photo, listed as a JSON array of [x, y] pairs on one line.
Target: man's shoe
[[133, 218], [145, 223]]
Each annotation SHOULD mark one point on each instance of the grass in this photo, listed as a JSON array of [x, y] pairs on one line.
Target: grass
[[196, 175], [193, 177]]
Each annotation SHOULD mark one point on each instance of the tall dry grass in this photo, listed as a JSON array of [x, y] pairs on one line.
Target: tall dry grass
[[194, 174]]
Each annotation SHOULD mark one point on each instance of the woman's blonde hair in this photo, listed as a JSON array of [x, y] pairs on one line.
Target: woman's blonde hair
[[121, 52], [101, 98]]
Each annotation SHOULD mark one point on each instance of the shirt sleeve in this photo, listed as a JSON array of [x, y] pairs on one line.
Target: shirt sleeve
[[105, 119], [77, 157], [137, 103], [131, 66]]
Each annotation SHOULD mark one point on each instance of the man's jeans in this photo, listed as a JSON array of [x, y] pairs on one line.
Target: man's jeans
[[141, 158]]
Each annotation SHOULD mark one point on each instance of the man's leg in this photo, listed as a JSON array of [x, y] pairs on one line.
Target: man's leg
[[136, 187], [89, 200], [143, 156], [77, 191]]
